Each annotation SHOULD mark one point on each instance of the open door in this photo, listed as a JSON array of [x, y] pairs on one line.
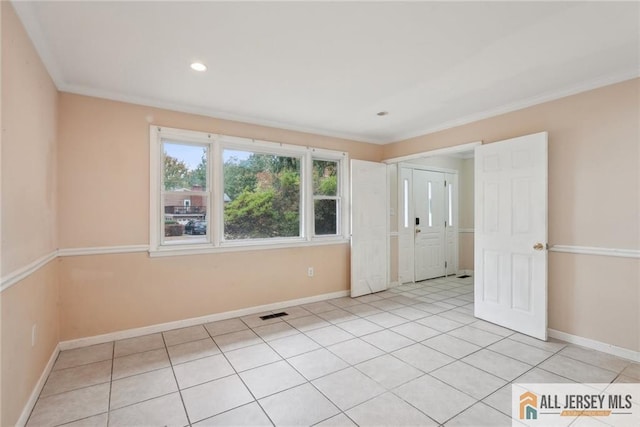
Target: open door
[[511, 234], [369, 223]]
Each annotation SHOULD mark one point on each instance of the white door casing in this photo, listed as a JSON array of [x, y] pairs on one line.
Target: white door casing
[[511, 234], [369, 227]]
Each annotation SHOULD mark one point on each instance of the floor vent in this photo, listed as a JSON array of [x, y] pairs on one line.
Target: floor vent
[[464, 276], [274, 315]]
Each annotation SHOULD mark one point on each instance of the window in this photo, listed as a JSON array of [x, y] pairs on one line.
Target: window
[[185, 192], [216, 192], [450, 204], [264, 194], [405, 199], [326, 199], [429, 204]]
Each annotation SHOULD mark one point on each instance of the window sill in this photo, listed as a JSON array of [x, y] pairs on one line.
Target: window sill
[[181, 250]]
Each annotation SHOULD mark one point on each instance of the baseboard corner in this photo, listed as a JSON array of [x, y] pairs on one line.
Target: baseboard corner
[[37, 389]]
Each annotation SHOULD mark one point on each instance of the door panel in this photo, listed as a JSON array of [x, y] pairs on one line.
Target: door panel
[[511, 217], [369, 247], [429, 203]]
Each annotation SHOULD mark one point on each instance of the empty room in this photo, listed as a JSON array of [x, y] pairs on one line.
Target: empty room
[[320, 213]]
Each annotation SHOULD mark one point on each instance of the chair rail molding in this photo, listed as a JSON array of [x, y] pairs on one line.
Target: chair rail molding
[[591, 250]]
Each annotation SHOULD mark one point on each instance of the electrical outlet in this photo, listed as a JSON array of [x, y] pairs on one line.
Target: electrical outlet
[[33, 335], [310, 272]]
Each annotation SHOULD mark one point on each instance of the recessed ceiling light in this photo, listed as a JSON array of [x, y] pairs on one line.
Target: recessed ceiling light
[[382, 113], [198, 66]]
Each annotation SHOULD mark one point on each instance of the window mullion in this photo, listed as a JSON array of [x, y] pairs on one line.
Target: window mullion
[[309, 200]]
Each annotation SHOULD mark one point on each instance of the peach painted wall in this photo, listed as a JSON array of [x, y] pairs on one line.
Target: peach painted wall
[[107, 293], [594, 200], [104, 168], [104, 164], [28, 198], [29, 100], [33, 301]]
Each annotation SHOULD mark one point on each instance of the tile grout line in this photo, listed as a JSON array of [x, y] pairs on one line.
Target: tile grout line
[[238, 374], [175, 378], [113, 359], [461, 309]]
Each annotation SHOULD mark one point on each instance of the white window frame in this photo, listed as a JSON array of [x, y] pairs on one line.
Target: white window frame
[[338, 197], [215, 218]]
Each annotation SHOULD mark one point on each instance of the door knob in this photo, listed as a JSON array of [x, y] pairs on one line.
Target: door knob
[[538, 246], [418, 230]]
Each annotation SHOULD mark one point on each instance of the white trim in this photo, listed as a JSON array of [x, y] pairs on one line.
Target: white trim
[[466, 230], [102, 250], [162, 327], [35, 393], [246, 247], [590, 250], [209, 112], [595, 345], [19, 274], [437, 152], [28, 16], [607, 80]]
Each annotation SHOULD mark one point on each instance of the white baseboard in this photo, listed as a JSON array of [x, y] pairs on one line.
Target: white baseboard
[[596, 345], [28, 407], [162, 327]]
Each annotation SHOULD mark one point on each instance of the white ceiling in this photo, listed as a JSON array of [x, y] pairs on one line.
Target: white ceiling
[[329, 67]]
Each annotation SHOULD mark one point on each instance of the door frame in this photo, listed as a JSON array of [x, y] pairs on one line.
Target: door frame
[[464, 147]]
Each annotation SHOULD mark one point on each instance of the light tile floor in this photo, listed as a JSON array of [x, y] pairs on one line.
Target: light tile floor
[[413, 355]]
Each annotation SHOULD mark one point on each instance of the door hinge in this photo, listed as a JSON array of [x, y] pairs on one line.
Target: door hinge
[[445, 264], [445, 183]]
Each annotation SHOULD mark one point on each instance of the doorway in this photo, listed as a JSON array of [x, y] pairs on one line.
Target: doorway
[[428, 229], [434, 244]]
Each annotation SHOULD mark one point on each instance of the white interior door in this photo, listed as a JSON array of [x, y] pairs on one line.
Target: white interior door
[[369, 224], [511, 234], [429, 211]]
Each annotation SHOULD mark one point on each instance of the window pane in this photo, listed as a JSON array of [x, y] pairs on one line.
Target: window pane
[[326, 215], [185, 217], [406, 202], [429, 203], [261, 195], [184, 167], [450, 205], [325, 178]]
